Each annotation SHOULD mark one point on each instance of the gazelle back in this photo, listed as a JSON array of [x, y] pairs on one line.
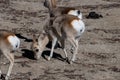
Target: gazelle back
[[54, 10]]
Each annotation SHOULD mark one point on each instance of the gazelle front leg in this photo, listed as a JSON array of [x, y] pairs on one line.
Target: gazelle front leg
[[53, 46], [10, 57]]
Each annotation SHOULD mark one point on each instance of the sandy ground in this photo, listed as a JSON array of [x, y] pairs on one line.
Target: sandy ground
[[99, 47]]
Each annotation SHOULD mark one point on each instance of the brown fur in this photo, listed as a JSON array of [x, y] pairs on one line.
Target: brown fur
[[62, 31], [4, 36], [6, 49], [66, 21]]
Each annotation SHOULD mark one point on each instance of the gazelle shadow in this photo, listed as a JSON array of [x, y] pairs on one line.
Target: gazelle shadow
[[49, 45], [2, 77], [22, 37], [28, 54], [55, 55]]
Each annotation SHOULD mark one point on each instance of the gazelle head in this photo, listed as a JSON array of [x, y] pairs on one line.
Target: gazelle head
[[39, 43], [75, 13]]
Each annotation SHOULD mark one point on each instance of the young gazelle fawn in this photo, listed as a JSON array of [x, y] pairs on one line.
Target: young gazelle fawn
[[9, 42], [37, 47], [69, 28]]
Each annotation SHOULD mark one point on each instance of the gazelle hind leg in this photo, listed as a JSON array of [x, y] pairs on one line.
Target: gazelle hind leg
[[53, 46], [74, 43], [64, 50], [63, 47], [75, 52], [0, 74], [10, 57], [0, 69]]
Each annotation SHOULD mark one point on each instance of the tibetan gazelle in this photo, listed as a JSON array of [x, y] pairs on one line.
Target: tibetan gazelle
[[69, 28], [8, 44]]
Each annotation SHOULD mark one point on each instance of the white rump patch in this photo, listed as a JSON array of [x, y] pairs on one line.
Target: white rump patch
[[14, 41], [78, 25]]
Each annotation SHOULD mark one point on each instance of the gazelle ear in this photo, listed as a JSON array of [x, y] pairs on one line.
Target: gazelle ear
[[35, 37], [42, 37]]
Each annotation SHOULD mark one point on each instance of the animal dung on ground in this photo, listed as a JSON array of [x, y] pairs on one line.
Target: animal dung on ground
[[94, 15]]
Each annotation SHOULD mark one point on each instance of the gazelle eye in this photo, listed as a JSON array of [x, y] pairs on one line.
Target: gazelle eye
[[37, 50], [36, 40]]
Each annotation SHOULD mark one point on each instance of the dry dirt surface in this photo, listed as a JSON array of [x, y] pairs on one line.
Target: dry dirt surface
[[98, 57]]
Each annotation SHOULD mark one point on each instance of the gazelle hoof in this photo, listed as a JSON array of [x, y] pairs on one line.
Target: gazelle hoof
[[71, 62], [48, 58], [6, 78], [0, 74], [67, 60], [2, 77]]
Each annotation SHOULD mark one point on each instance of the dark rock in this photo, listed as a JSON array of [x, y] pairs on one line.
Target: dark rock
[[94, 15]]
